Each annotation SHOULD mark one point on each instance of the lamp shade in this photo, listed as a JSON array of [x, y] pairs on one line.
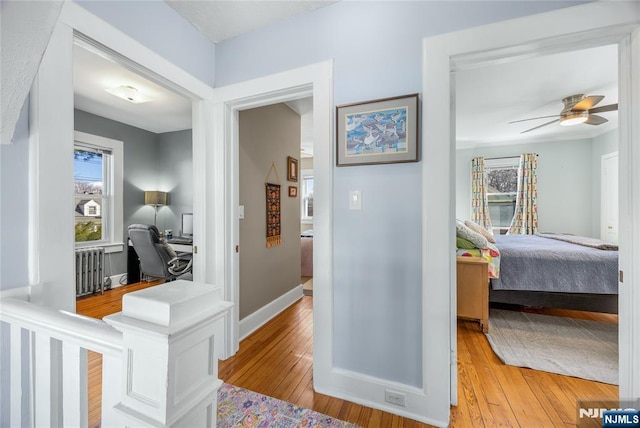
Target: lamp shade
[[155, 197]]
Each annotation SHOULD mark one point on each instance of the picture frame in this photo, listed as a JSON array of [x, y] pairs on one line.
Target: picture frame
[[292, 169], [293, 191], [379, 131]]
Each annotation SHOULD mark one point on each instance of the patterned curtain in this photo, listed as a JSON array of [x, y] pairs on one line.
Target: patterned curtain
[[479, 202], [525, 217]]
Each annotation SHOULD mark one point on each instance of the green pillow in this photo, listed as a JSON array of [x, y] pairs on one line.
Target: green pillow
[[464, 243]]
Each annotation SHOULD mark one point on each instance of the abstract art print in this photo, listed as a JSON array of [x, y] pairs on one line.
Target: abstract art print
[[378, 131]]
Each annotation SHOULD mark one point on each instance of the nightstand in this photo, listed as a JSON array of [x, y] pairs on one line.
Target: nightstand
[[473, 289]]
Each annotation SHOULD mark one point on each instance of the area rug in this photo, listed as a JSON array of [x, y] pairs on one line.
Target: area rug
[[580, 348], [239, 407]]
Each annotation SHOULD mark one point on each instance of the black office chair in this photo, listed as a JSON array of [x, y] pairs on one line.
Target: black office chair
[[157, 258]]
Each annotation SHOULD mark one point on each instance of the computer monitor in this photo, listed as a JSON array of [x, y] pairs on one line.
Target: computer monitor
[[187, 225]]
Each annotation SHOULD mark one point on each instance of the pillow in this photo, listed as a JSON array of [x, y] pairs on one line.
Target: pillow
[[465, 232], [481, 230], [464, 243]]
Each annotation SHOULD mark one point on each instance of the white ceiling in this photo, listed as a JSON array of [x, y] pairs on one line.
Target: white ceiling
[[93, 74], [486, 98], [223, 19]]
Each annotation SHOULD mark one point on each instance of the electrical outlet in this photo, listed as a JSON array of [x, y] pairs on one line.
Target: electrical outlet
[[393, 397]]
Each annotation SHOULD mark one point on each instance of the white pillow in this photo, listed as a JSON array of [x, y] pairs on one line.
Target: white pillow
[[465, 232], [481, 230]]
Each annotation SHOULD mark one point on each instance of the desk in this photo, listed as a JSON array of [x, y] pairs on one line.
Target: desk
[[180, 247]]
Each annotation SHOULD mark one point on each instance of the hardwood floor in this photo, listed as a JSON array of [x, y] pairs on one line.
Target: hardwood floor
[[277, 361]]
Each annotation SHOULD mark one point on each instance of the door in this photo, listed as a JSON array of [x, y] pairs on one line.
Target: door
[[609, 198]]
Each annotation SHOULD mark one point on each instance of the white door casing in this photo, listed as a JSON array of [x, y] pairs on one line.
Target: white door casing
[[582, 26]]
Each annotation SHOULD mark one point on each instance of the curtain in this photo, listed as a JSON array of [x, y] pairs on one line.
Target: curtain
[[525, 217], [479, 202]]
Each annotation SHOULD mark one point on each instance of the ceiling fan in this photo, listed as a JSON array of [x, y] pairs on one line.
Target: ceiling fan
[[577, 109]]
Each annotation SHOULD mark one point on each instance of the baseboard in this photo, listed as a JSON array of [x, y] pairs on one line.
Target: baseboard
[[370, 391], [252, 322], [115, 280]]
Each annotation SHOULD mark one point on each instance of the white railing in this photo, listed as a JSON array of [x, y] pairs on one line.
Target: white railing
[[159, 359]]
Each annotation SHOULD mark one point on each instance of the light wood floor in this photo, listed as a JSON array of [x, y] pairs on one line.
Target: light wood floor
[[277, 361]]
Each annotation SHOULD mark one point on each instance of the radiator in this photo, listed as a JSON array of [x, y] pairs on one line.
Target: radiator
[[89, 271]]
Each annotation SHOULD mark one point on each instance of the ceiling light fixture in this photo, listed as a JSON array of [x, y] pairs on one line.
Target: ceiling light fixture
[[574, 118], [129, 93]]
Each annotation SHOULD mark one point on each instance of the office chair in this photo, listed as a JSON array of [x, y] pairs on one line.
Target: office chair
[[157, 258]]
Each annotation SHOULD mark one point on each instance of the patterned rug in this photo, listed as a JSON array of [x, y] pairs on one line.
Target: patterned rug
[[239, 407]]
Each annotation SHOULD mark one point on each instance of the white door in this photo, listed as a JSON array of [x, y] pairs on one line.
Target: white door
[[609, 198]]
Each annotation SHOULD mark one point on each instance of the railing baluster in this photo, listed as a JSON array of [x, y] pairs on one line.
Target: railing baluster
[[15, 366], [41, 375], [74, 386], [111, 390]]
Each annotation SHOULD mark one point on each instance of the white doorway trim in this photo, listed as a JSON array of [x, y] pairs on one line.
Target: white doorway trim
[[596, 23], [315, 80], [51, 132]]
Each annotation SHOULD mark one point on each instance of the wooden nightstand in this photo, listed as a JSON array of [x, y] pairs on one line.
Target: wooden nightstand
[[473, 289]]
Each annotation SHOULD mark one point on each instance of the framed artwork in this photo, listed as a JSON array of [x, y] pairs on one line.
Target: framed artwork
[[292, 169], [293, 191], [378, 131]]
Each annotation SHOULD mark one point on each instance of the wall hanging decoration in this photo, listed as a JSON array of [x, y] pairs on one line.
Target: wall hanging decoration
[[274, 237], [292, 168], [377, 132], [293, 191]]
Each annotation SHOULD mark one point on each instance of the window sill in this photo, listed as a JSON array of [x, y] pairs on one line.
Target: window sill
[[115, 247], [307, 220]]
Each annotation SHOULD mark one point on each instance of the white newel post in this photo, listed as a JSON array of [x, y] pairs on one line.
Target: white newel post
[[169, 359]]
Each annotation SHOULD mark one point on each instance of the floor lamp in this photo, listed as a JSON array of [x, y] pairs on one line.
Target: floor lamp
[[156, 199]]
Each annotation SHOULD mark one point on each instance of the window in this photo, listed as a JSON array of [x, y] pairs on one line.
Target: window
[[502, 187], [306, 196], [97, 176]]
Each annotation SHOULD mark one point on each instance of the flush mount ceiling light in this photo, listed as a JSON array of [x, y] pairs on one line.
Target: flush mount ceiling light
[[574, 118], [129, 93]]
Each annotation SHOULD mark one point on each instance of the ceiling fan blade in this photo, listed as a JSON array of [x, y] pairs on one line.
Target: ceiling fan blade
[[587, 103], [594, 119], [534, 118], [602, 109], [540, 126]]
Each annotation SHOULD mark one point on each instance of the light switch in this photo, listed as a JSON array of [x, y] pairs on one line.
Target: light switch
[[241, 212], [355, 200]]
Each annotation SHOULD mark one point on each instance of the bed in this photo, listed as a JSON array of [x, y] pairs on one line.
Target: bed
[[548, 271], [306, 253]]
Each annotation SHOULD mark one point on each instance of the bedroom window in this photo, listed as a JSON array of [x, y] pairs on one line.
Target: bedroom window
[[306, 196], [502, 187], [97, 180]]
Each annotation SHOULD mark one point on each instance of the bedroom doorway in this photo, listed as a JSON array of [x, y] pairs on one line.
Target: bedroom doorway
[[560, 178], [628, 382]]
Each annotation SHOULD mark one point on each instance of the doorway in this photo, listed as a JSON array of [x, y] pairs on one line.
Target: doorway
[[453, 52]]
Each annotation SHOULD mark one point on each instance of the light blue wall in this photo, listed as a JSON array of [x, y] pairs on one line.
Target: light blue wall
[[14, 206], [157, 26], [377, 52], [566, 175]]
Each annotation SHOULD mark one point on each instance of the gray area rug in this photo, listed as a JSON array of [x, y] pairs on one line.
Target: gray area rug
[[579, 348]]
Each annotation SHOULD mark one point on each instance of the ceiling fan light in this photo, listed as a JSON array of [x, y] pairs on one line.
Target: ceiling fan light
[[574, 118], [129, 93]]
